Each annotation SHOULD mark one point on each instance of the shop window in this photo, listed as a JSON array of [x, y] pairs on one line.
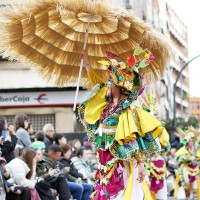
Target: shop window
[[38, 121]]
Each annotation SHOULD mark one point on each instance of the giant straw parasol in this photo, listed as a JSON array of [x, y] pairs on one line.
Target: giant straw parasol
[[51, 34]]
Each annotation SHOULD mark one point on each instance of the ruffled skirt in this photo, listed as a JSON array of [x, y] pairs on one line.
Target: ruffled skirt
[[133, 137], [117, 180]]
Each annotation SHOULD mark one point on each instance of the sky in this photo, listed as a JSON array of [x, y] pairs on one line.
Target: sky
[[189, 12]]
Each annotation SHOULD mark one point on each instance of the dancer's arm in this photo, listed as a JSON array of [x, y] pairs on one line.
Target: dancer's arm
[[92, 76], [86, 60], [141, 170]]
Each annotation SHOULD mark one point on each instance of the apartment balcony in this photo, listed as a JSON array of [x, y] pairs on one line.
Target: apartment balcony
[[177, 67], [177, 36], [184, 102], [184, 87], [181, 51]]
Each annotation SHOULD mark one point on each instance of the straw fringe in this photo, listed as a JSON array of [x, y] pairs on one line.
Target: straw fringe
[[47, 34]]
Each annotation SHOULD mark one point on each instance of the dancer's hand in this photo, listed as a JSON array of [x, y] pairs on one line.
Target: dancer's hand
[[85, 60], [141, 172]]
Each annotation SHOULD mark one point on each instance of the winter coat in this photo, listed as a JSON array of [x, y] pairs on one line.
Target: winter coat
[[18, 170], [7, 148], [48, 141], [82, 167], [47, 163], [92, 162], [73, 174], [43, 166], [3, 179], [23, 138]]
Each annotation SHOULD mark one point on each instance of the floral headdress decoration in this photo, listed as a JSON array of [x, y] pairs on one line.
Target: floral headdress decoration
[[125, 73], [185, 136]]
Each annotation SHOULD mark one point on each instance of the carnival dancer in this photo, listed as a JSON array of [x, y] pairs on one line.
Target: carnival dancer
[[123, 135], [156, 167], [188, 180]]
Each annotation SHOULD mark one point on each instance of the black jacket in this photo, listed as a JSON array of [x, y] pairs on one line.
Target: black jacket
[[7, 149], [73, 171], [44, 166], [48, 141]]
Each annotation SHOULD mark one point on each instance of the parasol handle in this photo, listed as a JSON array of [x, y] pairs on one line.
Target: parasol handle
[[81, 65]]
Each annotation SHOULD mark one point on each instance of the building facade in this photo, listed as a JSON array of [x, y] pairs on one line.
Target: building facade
[[195, 107], [161, 15], [23, 90], [177, 32]]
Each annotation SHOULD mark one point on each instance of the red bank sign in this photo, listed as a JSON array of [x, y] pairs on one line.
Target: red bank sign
[[40, 98]]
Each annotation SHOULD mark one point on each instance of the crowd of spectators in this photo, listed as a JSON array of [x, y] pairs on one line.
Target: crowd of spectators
[[42, 164]]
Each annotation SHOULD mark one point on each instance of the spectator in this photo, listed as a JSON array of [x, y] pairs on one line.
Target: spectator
[[74, 178], [175, 140], [39, 136], [91, 160], [39, 145], [69, 142], [47, 169], [172, 168], [22, 173], [30, 131], [11, 129], [7, 144], [5, 186], [60, 139], [76, 145], [44, 189], [87, 144], [48, 130], [3, 177], [172, 165], [21, 124], [79, 162], [39, 141]]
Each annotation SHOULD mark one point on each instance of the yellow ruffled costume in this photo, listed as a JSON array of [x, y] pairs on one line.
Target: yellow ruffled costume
[[187, 167], [157, 169], [126, 127], [133, 125]]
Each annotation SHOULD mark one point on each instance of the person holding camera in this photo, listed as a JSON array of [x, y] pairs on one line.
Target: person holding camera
[[8, 140]]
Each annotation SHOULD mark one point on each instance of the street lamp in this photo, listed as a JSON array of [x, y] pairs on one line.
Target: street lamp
[[174, 91]]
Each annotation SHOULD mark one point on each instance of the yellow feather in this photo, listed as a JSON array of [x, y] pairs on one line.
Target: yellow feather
[[104, 62]]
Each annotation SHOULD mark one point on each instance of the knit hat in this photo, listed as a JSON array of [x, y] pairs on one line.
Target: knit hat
[[38, 145]]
